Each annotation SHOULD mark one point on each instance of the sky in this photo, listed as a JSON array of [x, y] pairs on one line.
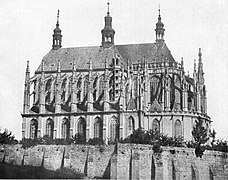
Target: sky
[[26, 29]]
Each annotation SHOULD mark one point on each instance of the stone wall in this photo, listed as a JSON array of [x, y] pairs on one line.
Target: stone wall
[[122, 161]]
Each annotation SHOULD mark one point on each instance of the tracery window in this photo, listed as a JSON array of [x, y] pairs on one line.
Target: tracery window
[[131, 124], [79, 84], [63, 88], [111, 91], [177, 128], [86, 85], [113, 129], [48, 91], [101, 85], [156, 125], [98, 128], [49, 127], [95, 89], [65, 128], [82, 127], [33, 129], [154, 85]]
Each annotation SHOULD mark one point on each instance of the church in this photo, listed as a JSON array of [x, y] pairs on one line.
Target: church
[[108, 91]]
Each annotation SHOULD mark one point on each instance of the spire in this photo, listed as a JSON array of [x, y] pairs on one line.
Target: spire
[[200, 68], [57, 37], [159, 29], [27, 68], [27, 73], [108, 8], [42, 66], [194, 65], [42, 71], [108, 32]]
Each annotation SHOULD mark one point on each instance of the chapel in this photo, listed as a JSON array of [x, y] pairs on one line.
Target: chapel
[[109, 90]]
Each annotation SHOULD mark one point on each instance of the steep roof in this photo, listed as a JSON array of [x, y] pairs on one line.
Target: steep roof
[[82, 55]]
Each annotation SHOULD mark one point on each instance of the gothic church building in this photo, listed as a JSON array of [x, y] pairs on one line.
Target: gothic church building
[[108, 91]]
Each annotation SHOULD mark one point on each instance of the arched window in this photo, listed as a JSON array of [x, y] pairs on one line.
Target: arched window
[[95, 89], [113, 129], [154, 85], [50, 128], [48, 91], [156, 125], [82, 127], [63, 88], [131, 125], [79, 86], [33, 129], [177, 128], [86, 85], [98, 128], [111, 91], [101, 85], [65, 129]]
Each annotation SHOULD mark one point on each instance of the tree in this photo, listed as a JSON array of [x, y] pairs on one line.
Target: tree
[[200, 135], [6, 137]]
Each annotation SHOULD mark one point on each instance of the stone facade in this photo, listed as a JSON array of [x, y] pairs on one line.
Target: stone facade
[[122, 161], [110, 90]]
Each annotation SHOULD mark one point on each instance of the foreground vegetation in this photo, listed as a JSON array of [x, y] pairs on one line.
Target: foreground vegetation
[[28, 172], [203, 140]]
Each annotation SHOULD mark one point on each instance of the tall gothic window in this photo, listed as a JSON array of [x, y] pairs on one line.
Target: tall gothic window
[[131, 124], [98, 128], [65, 129], [101, 85], [82, 127], [154, 85], [86, 84], [156, 125], [95, 89], [113, 129], [79, 86], [50, 128], [177, 128], [111, 91], [33, 129], [48, 91], [63, 88]]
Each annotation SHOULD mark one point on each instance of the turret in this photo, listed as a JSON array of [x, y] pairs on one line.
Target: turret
[[159, 30], [108, 32], [57, 37]]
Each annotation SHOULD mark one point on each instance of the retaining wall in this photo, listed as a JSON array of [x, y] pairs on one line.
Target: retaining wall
[[122, 161]]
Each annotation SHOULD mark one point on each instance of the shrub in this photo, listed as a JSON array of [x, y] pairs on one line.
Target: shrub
[[78, 139], [157, 148], [6, 137], [96, 141]]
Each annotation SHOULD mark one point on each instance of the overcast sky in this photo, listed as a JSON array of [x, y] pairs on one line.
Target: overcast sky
[[26, 29]]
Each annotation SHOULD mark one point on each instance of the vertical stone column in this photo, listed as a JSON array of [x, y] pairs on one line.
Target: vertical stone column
[[106, 101], [27, 91], [198, 99], [42, 91], [73, 90], [167, 90], [185, 100], [90, 93], [57, 128]]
